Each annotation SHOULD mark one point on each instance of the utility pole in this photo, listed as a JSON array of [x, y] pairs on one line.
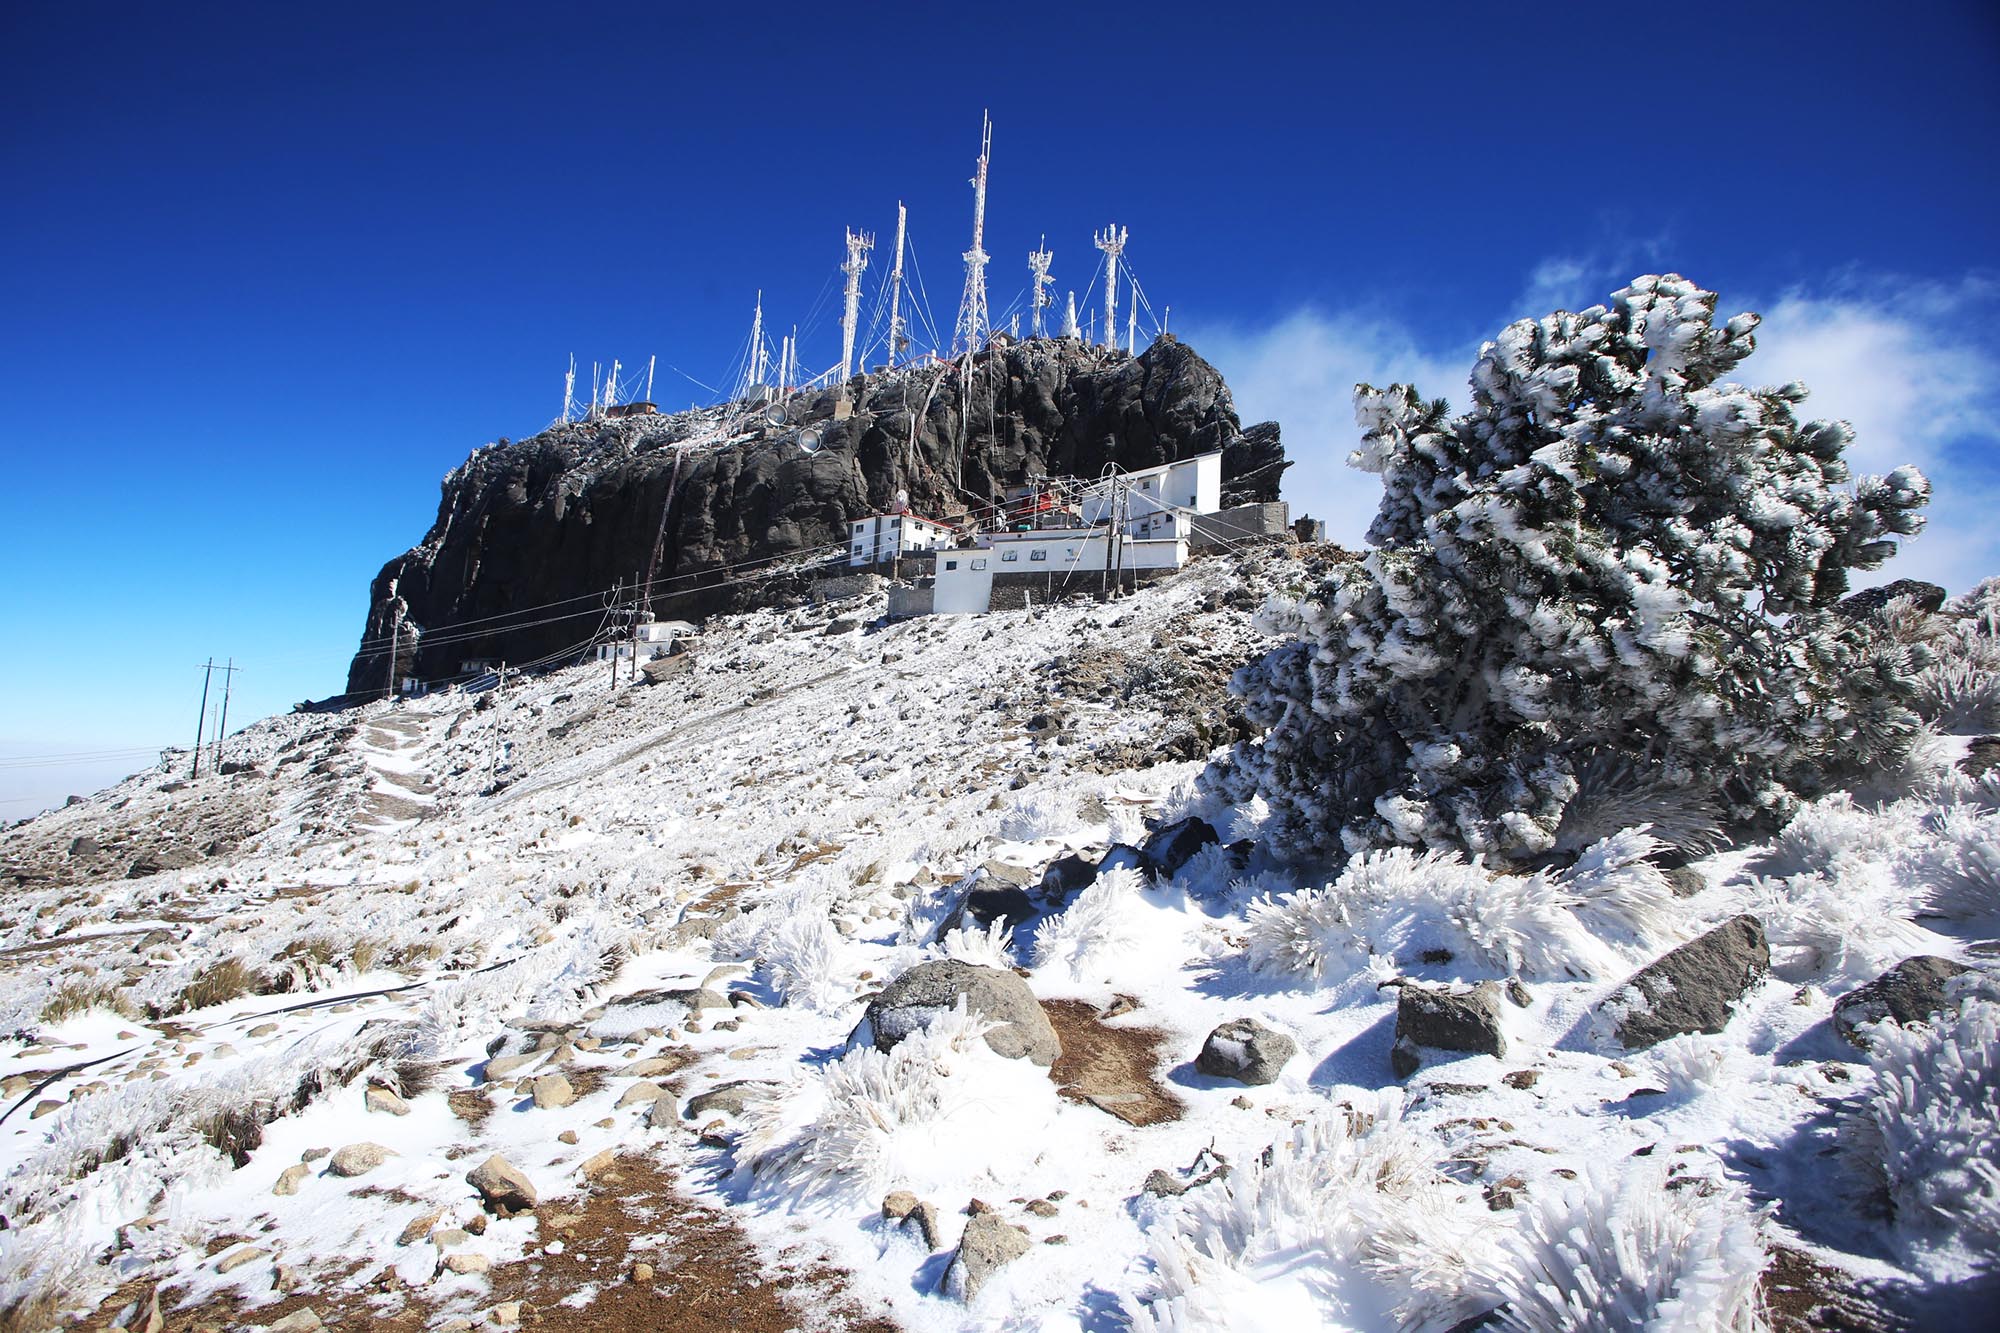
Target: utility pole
[[635, 627], [1112, 242], [396, 607], [858, 246], [222, 721], [201, 723], [617, 605], [896, 338], [973, 322], [1039, 260]]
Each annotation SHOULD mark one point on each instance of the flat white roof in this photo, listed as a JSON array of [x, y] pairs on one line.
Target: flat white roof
[[1164, 467]]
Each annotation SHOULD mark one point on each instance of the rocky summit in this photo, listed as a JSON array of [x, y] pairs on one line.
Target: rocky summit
[[581, 506]]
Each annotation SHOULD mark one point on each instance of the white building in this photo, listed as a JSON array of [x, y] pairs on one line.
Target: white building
[[651, 639], [1157, 502], [1067, 556], [886, 536]]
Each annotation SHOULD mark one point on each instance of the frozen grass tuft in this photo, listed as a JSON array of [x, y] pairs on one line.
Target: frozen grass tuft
[[1095, 931], [1415, 908], [1959, 695], [1636, 1250], [1348, 1219], [991, 947], [1040, 814], [1929, 1131], [934, 1113], [79, 997]]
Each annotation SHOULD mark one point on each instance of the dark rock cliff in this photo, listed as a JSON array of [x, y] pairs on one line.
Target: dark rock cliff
[[530, 536]]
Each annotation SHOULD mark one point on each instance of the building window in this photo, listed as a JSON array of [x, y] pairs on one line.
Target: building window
[[859, 549], [1009, 555], [859, 526], [1038, 555], [951, 564], [979, 564], [1069, 554]]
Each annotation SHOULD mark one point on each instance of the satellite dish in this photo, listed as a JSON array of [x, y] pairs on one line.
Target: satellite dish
[[775, 414], [809, 441], [902, 504]]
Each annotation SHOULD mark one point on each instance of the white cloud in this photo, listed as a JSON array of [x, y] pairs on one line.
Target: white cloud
[[1301, 373], [1909, 364]]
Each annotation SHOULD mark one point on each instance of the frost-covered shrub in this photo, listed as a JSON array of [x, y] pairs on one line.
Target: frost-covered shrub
[[1095, 930], [1696, 1065], [1959, 695], [991, 947], [1962, 866], [936, 1113], [1610, 1253], [1928, 1129], [1840, 929], [1347, 1224], [1417, 908], [1043, 813], [1614, 550]]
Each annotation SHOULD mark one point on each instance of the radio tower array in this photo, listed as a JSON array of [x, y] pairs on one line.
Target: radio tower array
[[858, 246], [973, 322], [896, 339], [1038, 264], [1112, 242]]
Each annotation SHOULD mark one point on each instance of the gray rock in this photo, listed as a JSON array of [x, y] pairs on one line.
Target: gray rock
[[288, 1179], [358, 1159], [662, 669], [1909, 992], [1692, 989], [727, 1098], [987, 1245], [645, 1090], [1446, 1018], [384, 1101], [502, 1188], [1685, 881], [298, 1321], [927, 990], [1067, 875], [553, 1091], [1245, 1050], [1929, 597], [1172, 847]]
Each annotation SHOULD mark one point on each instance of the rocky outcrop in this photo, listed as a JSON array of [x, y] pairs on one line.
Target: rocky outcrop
[[1445, 1018], [1909, 992], [928, 990], [1691, 989], [568, 513]]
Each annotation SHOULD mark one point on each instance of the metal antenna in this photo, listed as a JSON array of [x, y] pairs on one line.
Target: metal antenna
[[611, 385], [569, 390], [896, 339], [973, 323], [649, 377], [755, 370], [1112, 242], [1038, 264], [1132, 329], [594, 391], [1070, 329], [858, 246]]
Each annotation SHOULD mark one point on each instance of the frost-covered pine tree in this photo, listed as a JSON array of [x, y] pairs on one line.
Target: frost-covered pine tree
[[1615, 563]]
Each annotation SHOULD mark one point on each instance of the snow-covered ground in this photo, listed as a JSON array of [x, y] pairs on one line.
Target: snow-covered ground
[[458, 879]]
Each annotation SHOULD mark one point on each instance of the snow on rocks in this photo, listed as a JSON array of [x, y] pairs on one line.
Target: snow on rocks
[[987, 1244], [1246, 1051], [1691, 989], [1445, 1018], [1909, 992], [502, 1187], [1019, 1028]]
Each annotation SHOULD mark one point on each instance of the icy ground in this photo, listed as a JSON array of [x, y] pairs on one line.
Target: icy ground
[[466, 878]]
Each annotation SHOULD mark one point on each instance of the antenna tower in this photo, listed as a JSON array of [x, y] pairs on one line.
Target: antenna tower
[[611, 384], [569, 390], [755, 370], [1070, 330], [973, 322], [1038, 264], [896, 339], [649, 377], [1112, 242], [858, 246]]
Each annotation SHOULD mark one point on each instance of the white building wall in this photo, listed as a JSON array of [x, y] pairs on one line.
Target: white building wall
[[885, 536], [964, 583], [1151, 498]]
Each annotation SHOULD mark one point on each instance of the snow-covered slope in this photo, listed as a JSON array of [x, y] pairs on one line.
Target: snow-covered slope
[[416, 915]]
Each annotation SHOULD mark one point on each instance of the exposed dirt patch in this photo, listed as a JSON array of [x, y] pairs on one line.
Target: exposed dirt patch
[[1111, 1068], [1807, 1296], [706, 1276]]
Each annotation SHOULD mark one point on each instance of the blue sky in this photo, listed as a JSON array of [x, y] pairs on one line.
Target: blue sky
[[267, 273]]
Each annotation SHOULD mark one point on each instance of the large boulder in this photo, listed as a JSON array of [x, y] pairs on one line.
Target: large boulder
[[1445, 1018], [1909, 992], [1692, 989], [920, 995], [1245, 1050], [502, 1187], [1929, 597]]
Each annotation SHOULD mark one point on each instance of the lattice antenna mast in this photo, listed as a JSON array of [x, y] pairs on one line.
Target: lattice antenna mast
[[755, 370], [595, 390], [1070, 330], [649, 377], [973, 322], [897, 342], [1112, 242], [1038, 264], [611, 385], [569, 390], [858, 246]]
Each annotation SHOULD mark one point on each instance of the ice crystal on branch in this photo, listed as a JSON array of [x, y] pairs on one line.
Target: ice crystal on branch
[[1615, 551]]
